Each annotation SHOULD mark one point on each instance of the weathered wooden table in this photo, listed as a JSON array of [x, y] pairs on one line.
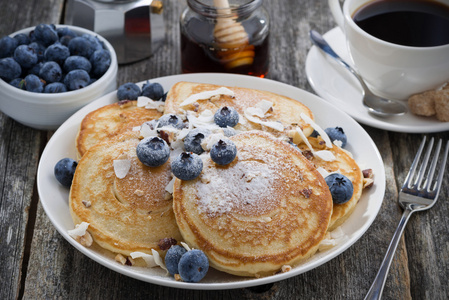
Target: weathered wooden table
[[37, 263]]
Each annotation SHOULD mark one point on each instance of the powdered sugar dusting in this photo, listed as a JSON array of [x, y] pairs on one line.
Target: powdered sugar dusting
[[242, 187]]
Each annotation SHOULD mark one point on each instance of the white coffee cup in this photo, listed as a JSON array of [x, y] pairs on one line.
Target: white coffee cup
[[391, 70]]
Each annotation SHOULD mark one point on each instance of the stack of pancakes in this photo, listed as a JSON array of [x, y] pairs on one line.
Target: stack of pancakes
[[267, 209]]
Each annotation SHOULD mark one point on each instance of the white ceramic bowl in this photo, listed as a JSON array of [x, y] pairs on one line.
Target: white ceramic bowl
[[48, 111]]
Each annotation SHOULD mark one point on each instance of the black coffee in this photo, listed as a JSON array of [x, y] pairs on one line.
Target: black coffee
[[417, 23]]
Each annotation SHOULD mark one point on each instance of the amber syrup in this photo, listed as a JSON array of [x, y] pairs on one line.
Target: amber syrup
[[199, 54]]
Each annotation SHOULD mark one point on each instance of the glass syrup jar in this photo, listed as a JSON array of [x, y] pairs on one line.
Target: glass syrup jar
[[229, 36]]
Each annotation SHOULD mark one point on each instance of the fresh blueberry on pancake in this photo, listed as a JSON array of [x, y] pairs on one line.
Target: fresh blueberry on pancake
[[153, 90], [192, 142], [172, 258], [336, 134], [64, 171], [193, 266], [187, 166], [226, 116], [153, 151], [170, 120], [128, 91], [340, 186], [223, 152]]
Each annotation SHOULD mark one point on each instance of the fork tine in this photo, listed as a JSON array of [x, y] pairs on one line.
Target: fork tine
[[441, 173], [428, 182], [423, 167], [414, 165]]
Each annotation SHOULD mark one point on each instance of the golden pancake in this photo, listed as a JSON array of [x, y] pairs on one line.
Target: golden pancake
[[268, 208], [128, 214], [110, 120], [284, 110], [343, 164]]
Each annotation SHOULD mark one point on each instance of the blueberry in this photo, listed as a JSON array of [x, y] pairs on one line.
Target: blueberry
[[9, 69], [57, 52], [314, 133], [81, 46], [340, 186], [193, 266], [33, 84], [40, 50], [65, 40], [55, 87], [153, 151], [50, 72], [64, 171], [153, 91], [128, 91], [100, 60], [75, 62], [336, 134], [164, 97], [170, 120], [172, 258], [65, 31], [7, 46], [226, 116], [26, 56], [18, 83], [192, 141], [76, 79], [94, 41], [46, 34], [223, 152], [187, 166], [36, 68], [22, 39]]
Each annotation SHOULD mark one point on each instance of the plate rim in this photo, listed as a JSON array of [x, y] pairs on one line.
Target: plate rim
[[240, 80]]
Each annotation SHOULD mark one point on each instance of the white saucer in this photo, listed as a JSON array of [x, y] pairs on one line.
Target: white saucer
[[336, 85]]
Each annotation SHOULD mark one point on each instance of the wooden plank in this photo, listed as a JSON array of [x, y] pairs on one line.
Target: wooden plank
[[426, 234], [20, 149]]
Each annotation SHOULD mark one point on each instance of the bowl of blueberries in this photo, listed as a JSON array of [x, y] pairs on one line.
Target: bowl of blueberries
[[48, 72]]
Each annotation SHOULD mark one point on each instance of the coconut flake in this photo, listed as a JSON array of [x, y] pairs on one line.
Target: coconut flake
[[255, 111], [146, 130], [121, 167], [323, 172], [274, 125], [264, 105], [205, 119], [170, 186], [149, 259], [207, 95], [304, 138], [320, 130], [142, 101], [185, 246], [79, 230], [158, 260], [325, 155]]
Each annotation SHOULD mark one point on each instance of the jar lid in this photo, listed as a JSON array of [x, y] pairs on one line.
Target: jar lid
[[208, 9]]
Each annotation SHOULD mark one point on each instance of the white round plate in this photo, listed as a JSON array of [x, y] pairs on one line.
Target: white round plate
[[54, 197], [335, 84]]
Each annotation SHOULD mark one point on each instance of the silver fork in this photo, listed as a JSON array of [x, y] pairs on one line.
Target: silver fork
[[415, 195]]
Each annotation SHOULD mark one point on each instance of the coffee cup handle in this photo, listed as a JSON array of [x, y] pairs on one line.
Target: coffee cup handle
[[337, 12]]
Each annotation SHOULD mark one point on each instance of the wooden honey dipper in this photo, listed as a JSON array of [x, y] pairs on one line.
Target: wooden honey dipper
[[232, 39]]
